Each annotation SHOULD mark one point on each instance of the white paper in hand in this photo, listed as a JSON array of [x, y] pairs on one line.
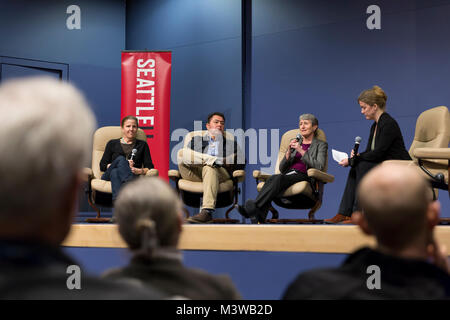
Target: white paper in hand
[[338, 156]]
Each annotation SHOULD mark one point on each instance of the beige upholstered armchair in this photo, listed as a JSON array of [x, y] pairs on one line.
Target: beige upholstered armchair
[[300, 195], [191, 192], [99, 191], [432, 131], [443, 154]]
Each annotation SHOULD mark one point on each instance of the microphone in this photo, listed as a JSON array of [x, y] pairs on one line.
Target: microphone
[[297, 138], [355, 151], [133, 153]]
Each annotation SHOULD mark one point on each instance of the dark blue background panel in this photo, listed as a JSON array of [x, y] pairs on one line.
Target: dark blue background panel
[[168, 24], [257, 275], [205, 39], [317, 56], [37, 30]]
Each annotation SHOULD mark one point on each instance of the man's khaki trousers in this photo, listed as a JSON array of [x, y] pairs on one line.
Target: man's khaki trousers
[[198, 167]]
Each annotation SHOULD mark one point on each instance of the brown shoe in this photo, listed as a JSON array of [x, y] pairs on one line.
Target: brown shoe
[[203, 217], [337, 219]]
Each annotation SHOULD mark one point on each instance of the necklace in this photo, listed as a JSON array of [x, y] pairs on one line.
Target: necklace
[[123, 141]]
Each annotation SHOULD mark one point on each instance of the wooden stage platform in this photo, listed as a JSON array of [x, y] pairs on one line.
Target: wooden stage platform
[[288, 238]]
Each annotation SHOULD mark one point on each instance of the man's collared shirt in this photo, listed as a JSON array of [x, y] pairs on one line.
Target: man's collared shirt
[[213, 147]]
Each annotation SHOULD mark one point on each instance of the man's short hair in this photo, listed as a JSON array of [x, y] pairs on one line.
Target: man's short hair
[[46, 132], [220, 114]]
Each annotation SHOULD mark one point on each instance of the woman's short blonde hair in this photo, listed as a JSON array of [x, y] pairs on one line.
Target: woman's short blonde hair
[[372, 96]]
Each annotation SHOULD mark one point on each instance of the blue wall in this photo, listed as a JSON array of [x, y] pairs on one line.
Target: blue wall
[[205, 39], [316, 56], [37, 30]]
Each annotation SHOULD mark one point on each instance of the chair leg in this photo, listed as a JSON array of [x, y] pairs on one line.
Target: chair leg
[[274, 216], [227, 218], [94, 207], [313, 210], [89, 193], [98, 218], [227, 213], [186, 212], [274, 212], [235, 203]]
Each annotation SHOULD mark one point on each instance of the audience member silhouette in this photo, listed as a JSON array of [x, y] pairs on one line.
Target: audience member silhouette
[[148, 213], [407, 263]]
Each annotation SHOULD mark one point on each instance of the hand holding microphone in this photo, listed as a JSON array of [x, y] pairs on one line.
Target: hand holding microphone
[[354, 151], [133, 154], [292, 151]]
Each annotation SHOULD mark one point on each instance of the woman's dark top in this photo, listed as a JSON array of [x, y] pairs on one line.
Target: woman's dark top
[[113, 149], [298, 165], [389, 144]]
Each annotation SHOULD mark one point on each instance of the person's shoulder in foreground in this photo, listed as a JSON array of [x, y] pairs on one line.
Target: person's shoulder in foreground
[[38, 272], [357, 279]]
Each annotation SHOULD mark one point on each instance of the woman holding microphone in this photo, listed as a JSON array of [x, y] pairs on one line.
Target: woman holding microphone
[[303, 153], [385, 143], [125, 158]]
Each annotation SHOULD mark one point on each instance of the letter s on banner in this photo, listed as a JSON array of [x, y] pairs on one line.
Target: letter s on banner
[[146, 79]]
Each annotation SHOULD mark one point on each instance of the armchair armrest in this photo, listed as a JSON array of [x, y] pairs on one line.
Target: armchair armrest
[[86, 174], [239, 175], [258, 175], [432, 153], [174, 175], [320, 175], [152, 173]]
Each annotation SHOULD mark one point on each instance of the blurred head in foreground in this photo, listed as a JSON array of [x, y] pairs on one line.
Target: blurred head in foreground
[[397, 208], [148, 215], [46, 139]]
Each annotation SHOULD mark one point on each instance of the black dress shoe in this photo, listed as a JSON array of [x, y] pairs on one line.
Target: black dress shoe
[[243, 212], [252, 211], [261, 216]]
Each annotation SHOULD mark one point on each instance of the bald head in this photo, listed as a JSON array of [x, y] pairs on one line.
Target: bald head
[[394, 200]]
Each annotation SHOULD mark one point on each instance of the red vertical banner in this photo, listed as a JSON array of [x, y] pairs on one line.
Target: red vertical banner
[[146, 95]]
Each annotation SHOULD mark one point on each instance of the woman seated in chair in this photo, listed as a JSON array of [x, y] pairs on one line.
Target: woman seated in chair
[[125, 158], [304, 152], [385, 143]]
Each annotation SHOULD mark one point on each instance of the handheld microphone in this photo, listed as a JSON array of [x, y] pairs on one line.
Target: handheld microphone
[[297, 138], [355, 151], [133, 153]]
